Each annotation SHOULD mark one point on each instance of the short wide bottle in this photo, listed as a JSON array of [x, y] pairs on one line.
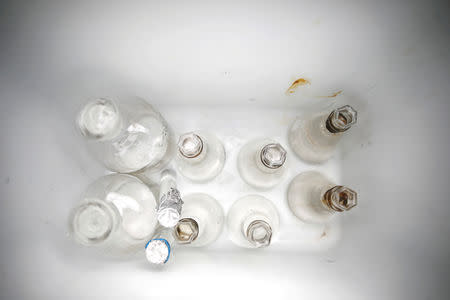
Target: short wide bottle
[[201, 222], [261, 163], [314, 139], [126, 136], [200, 156], [252, 222], [117, 213], [315, 199]]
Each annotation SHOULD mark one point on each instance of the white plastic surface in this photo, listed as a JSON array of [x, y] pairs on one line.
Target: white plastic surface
[[225, 66]]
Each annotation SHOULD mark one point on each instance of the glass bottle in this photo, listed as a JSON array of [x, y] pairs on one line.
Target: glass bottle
[[315, 199], [201, 222], [117, 212], [200, 157], [261, 163], [126, 136], [252, 222], [314, 139], [159, 248], [170, 202]]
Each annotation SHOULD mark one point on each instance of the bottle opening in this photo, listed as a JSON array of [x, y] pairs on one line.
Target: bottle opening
[[186, 231], [190, 145], [259, 233], [341, 119], [340, 198], [273, 156]]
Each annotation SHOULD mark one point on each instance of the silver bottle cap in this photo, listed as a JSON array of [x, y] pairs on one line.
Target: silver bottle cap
[[169, 209]]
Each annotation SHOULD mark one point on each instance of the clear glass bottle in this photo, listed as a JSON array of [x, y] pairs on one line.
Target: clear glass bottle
[[200, 156], [261, 163], [201, 222], [126, 136], [315, 199], [170, 203], [117, 212], [159, 249], [252, 222], [314, 139]]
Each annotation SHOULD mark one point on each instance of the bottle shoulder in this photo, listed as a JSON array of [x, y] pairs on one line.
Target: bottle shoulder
[[304, 196], [209, 215]]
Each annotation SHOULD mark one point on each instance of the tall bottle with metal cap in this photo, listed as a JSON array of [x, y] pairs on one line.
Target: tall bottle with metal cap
[[201, 221], [127, 135], [315, 199], [159, 248], [200, 157], [117, 213], [314, 139], [253, 222], [261, 163]]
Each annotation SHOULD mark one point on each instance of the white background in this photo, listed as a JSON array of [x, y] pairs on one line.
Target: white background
[[225, 66]]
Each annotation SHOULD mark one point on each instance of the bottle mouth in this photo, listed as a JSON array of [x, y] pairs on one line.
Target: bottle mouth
[[186, 231], [273, 156], [92, 223], [157, 251], [340, 198], [99, 119], [259, 233], [190, 145], [341, 119]]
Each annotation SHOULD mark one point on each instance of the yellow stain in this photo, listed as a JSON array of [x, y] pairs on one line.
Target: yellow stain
[[296, 84]]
